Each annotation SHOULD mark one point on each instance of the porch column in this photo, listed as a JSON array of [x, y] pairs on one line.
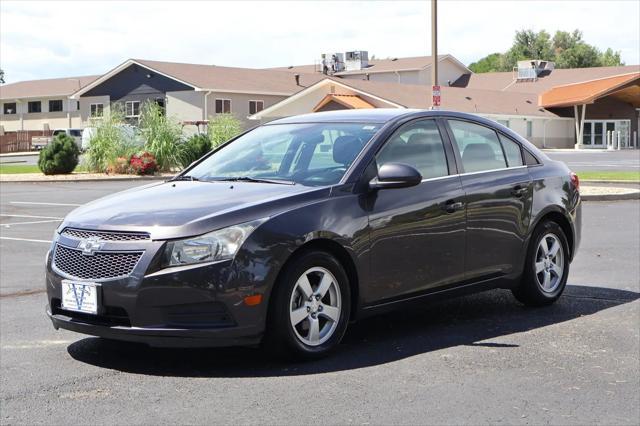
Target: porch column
[[579, 123]]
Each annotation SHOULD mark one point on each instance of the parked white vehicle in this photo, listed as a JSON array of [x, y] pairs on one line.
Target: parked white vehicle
[[39, 142], [129, 132]]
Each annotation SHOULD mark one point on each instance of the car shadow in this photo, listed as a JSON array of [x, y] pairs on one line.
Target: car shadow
[[469, 320]]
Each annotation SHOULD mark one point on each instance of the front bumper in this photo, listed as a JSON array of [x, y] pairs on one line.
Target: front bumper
[[180, 307], [159, 337]]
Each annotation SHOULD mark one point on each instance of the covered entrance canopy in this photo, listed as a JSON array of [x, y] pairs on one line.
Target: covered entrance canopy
[[614, 118]]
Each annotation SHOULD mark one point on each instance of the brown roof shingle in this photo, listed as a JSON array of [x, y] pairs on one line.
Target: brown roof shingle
[[504, 81], [453, 98], [44, 88], [241, 80], [375, 65]]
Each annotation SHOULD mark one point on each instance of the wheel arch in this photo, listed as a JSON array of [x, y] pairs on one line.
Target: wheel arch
[[557, 216], [341, 254]]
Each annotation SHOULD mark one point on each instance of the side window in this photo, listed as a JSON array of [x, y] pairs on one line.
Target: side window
[[478, 145], [512, 152], [530, 159], [417, 144]]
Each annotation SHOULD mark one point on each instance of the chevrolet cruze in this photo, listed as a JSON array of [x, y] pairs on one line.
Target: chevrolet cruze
[[289, 232]]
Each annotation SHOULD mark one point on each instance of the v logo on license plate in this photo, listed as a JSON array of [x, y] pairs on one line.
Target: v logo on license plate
[[79, 294]]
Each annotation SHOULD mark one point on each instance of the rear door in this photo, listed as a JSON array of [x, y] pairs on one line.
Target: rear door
[[498, 198], [417, 234]]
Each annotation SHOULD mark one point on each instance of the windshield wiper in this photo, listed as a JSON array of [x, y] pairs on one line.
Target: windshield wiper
[[256, 180], [184, 177]]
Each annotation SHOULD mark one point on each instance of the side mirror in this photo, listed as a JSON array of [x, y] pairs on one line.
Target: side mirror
[[396, 175]]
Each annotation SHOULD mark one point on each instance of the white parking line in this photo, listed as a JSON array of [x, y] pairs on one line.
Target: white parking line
[[9, 225], [25, 239], [45, 204], [31, 217]]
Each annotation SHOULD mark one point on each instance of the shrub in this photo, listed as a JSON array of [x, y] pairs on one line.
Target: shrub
[[119, 166], [222, 128], [143, 164], [162, 136], [195, 148], [109, 142], [60, 156]]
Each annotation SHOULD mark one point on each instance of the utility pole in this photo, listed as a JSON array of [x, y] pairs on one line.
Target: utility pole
[[435, 87]]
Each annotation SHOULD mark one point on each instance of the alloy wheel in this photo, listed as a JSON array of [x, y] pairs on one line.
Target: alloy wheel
[[549, 264], [315, 306]]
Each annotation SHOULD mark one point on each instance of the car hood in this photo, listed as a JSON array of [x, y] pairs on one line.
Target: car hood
[[185, 208]]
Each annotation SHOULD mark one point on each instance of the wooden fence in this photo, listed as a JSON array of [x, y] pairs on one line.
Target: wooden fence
[[19, 141]]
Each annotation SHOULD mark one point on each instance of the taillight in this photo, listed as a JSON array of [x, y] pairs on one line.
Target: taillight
[[575, 181]]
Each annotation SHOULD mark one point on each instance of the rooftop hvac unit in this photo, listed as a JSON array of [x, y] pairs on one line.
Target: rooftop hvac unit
[[531, 69], [356, 60], [331, 63]]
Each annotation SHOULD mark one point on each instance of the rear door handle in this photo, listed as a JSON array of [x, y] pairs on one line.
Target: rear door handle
[[451, 206], [518, 191]]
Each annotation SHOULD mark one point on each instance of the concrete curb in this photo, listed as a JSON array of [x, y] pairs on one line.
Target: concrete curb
[[104, 179], [630, 182]]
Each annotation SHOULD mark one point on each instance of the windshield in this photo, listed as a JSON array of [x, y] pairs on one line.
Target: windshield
[[311, 154]]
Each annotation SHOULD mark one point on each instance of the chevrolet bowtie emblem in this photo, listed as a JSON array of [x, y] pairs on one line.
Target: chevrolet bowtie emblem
[[90, 246]]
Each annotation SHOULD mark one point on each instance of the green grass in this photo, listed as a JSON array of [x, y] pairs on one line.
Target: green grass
[[609, 175], [11, 169]]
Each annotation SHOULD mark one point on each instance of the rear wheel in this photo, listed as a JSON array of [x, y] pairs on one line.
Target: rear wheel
[[310, 308], [547, 266]]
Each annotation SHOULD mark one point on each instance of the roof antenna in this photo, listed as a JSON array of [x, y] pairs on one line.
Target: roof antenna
[[297, 77]]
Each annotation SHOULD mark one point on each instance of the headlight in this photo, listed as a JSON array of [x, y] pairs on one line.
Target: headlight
[[217, 245]]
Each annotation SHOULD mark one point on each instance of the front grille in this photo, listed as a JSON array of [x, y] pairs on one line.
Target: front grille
[[80, 234], [98, 266]]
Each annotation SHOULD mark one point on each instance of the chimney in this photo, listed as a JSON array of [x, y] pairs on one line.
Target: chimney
[[297, 77]]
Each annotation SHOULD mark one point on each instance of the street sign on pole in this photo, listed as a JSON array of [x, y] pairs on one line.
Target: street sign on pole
[[436, 96]]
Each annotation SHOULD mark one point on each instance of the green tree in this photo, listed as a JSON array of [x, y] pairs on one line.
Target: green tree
[[490, 63], [1, 76], [222, 128], [566, 49]]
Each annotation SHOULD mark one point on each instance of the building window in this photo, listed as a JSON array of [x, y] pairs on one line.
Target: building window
[[77, 105], [97, 110], [9, 108], [223, 106], [505, 123], [529, 128], [34, 107], [55, 105], [132, 108], [255, 106]]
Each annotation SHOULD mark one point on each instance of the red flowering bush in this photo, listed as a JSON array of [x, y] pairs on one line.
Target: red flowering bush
[[143, 163]]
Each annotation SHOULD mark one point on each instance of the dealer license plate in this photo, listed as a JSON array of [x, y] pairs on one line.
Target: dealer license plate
[[80, 296]]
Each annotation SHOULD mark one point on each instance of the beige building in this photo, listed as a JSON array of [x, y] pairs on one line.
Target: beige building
[[41, 104], [535, 101]]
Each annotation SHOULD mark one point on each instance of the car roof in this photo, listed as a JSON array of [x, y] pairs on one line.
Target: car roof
[[377, 115]]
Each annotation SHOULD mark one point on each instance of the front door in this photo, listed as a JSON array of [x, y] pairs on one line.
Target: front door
[[417, 234], [499, 195]]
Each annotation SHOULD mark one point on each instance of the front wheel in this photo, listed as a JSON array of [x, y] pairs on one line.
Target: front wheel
[[310, 308], [547, 266]]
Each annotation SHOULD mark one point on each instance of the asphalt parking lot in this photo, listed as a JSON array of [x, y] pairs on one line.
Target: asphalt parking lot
[[473, 360], [627, 160]]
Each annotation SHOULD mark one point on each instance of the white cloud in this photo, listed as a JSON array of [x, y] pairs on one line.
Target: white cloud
[[52, 39]]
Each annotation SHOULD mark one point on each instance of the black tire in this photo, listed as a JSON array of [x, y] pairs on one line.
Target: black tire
[[530, 290], [281, 339]]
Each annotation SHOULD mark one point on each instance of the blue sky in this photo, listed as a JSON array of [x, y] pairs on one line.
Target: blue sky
[[60, 39]]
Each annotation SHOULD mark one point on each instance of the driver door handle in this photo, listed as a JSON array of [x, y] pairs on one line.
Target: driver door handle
[[518, 191], [451, 206]]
